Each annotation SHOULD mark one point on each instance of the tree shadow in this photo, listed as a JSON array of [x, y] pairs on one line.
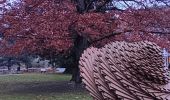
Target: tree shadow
[[44, 87]]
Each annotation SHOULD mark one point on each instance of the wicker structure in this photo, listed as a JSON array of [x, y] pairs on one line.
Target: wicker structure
[[125, 71]]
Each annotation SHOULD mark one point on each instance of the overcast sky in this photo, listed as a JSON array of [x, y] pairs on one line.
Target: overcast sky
[[141, 4]]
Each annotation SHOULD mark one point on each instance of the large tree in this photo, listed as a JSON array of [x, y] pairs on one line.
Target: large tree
[[53, 27]]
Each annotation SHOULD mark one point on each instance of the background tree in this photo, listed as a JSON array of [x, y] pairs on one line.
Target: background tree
[[9, 61], [52, 27]]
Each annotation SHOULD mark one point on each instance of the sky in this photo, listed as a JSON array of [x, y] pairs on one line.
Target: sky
[[140, 3]]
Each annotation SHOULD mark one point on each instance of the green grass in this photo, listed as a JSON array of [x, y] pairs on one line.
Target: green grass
[[18, 87], [65, 96], [19, 78]]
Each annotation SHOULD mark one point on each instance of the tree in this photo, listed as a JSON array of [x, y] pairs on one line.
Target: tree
[[52, 27]]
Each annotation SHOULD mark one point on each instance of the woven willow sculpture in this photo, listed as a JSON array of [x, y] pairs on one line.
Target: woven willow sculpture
[[125, 71]]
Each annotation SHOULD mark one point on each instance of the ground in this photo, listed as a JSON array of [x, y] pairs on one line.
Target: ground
[[40, 87]]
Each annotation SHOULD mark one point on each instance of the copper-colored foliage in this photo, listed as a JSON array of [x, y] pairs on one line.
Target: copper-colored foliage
[[125, 71]]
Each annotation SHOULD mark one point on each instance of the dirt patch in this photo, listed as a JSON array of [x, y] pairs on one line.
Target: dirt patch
[[42, 87]]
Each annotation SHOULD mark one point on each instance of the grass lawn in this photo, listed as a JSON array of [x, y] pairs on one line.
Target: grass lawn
[[65, 96], [17, 78], [40, 87]]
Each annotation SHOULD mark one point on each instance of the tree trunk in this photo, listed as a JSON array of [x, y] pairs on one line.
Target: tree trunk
[[80, 44], [81, 6], [76, 75], [9, 68], [9, 64]]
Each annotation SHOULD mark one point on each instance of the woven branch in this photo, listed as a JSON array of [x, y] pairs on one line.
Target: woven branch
[[125, 71]]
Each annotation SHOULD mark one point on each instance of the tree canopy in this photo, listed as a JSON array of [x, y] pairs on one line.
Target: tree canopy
[[50, 27]]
